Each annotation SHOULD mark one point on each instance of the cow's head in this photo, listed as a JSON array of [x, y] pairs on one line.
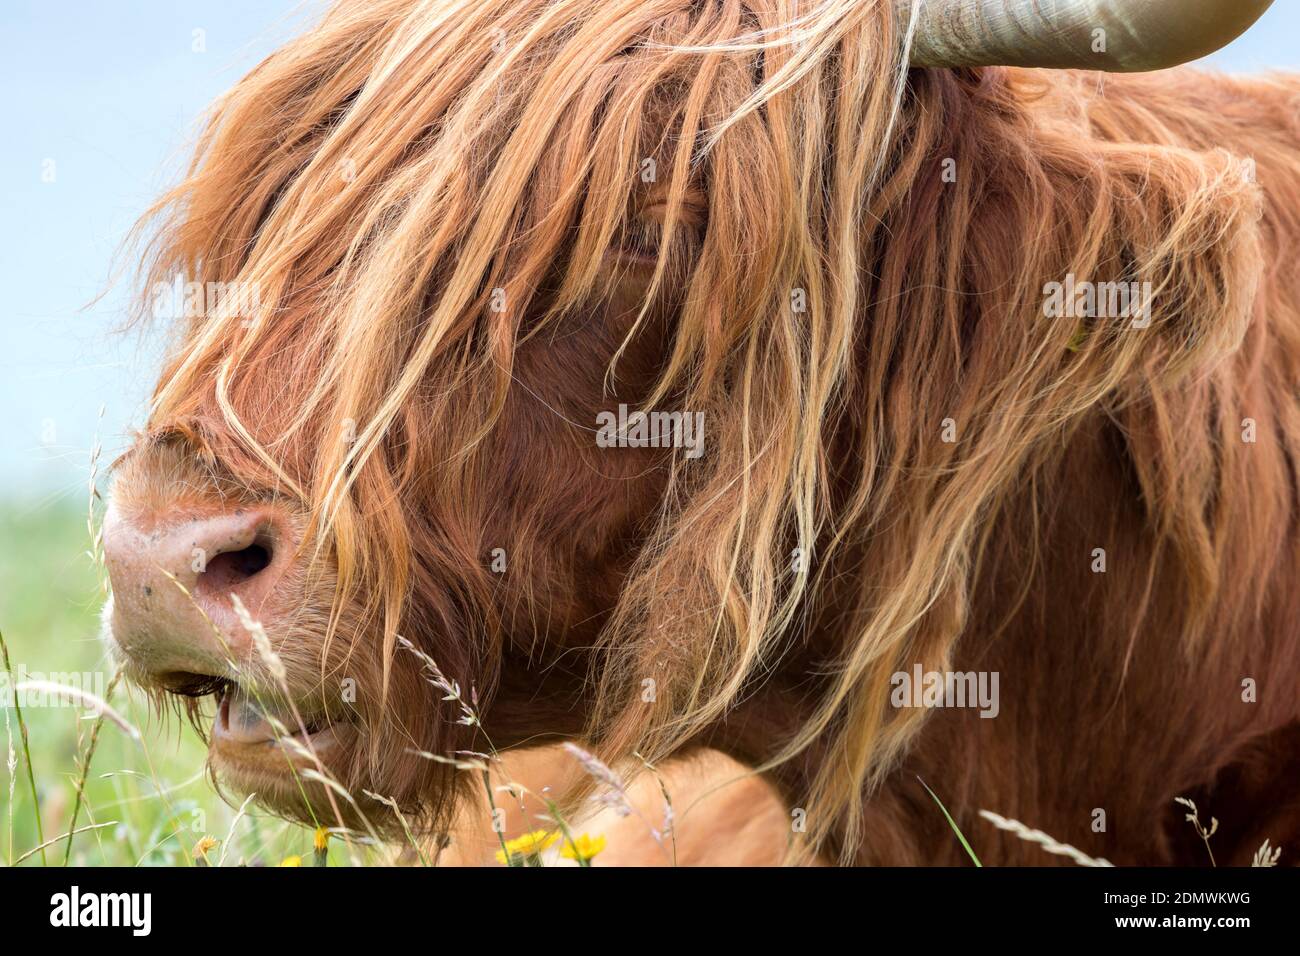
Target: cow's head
[[425, 254]]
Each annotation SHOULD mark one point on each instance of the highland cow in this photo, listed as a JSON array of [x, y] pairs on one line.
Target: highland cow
[[369, 519]]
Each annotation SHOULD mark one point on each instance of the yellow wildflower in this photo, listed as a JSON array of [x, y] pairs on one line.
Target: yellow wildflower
[[583, 848], [528, 845], [291, 861], [203, 846]]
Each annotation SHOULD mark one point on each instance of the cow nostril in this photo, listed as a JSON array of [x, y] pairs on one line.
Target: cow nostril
[[231, 568], [250, 560]]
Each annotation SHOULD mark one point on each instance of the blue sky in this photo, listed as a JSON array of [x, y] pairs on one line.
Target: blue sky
[[110, 93], [105, 96]]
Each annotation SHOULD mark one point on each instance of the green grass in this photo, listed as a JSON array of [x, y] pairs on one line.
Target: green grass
[[154, 792]]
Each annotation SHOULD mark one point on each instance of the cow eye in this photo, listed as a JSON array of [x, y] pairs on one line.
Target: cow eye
[[641, 238], [691, 210]]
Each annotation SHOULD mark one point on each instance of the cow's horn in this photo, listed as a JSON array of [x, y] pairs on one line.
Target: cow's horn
[[1117, 36]]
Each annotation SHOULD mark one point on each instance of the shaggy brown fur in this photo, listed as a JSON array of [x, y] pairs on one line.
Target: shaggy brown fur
[[461, 263]]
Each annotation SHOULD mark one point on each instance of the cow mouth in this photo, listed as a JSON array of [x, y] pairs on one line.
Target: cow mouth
[[257, 730]]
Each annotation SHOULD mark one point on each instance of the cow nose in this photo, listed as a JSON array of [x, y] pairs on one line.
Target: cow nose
[[173, 580]]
